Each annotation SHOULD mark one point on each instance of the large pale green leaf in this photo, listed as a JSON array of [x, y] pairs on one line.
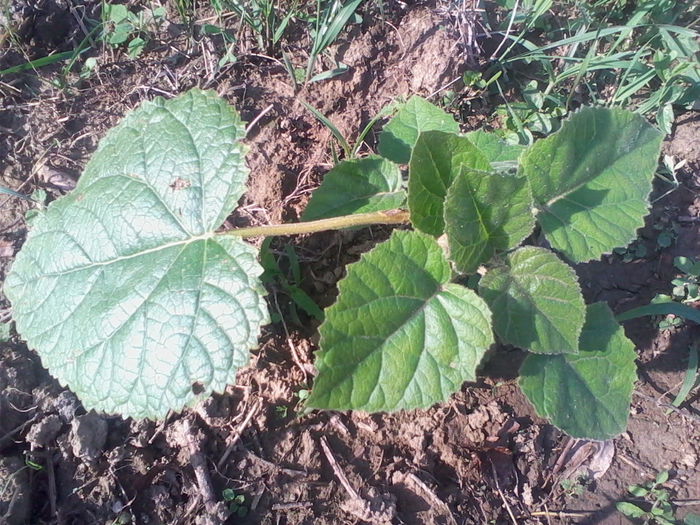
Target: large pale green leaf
[[591, 180], [501, 155], [586, 395], [415, 116], [536, 301], [357, 186], [486, 213], [400, 335], [437, 159], [123, 288]]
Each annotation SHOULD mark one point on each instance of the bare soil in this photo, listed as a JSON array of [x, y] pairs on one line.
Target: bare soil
[[482, 457]]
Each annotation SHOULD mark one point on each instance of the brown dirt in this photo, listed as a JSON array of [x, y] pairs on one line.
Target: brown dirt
[[482, 457]]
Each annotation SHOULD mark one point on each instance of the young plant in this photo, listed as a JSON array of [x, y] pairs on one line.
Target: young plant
[[653, 496], [123, 26], [135, 300], [331, 17], [265, 18]]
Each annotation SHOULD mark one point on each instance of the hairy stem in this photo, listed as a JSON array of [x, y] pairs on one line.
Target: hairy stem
[[335, 223]]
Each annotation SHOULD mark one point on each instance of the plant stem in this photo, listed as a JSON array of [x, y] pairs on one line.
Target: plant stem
[[334, 223]]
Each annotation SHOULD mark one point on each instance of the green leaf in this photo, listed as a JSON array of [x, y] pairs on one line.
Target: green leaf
[[400, 335], [630, 510], [638, 491], [692, 519], [114, 12], [586, 395], [662, 477], [437, 159], [357, 186], [122, 286], [136, 47], [5, 332], [591, 180], [486, 214], [536, 301], [500, 154], [400, 135]]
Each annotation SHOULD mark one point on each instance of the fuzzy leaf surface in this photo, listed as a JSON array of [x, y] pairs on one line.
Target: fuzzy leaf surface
[[417, 115], [486, 214], [591, 180], [122, 287], [437, 159], [536, 301], [501, 155], [357, 186], [400, 335], [586, 395]]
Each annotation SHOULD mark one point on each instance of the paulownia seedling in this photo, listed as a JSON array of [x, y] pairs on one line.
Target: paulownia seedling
[[136, 301]]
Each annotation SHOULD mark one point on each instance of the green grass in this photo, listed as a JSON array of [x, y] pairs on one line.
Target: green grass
[[641, 56]]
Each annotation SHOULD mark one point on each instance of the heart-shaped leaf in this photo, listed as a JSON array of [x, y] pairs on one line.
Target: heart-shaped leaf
[[586, 395], [357, 186], [400, 335], [123, 288], [536, 301], [417, 115], [437, 159], [501, 155], [591, 180], [486, 213]]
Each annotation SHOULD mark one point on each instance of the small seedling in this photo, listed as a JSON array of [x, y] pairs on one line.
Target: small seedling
[[573, 487], [651, 496], [236, 503], [289, 282], [122, 26], [331, 18], [670, 322], [686, 288], [635, 251]]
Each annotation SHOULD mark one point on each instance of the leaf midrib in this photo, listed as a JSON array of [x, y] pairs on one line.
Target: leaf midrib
[[183, 242]]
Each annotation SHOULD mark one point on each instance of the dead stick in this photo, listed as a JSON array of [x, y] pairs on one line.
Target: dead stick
[[199, 465], [237, 434], [52, 487], [500, 492], [338, 471]]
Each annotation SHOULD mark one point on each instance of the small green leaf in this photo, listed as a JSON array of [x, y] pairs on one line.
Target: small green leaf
[[114, 13], [591, 180], [536, 302], [5, 332], [400, 335], [586, 395], [120, 34], [357, 186], [123, 288], [638, 491], [136, 47], [630, 510], [400, 135], [692, 519], [500, 154], [662, 477], [486, 214], [437, 159]]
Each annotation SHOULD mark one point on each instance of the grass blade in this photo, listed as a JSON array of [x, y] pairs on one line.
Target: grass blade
[[690, 376], [40, 62], [335, 131], [687, 312]]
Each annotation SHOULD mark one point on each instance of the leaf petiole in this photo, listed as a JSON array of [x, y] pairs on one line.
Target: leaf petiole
[[396, 216]]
